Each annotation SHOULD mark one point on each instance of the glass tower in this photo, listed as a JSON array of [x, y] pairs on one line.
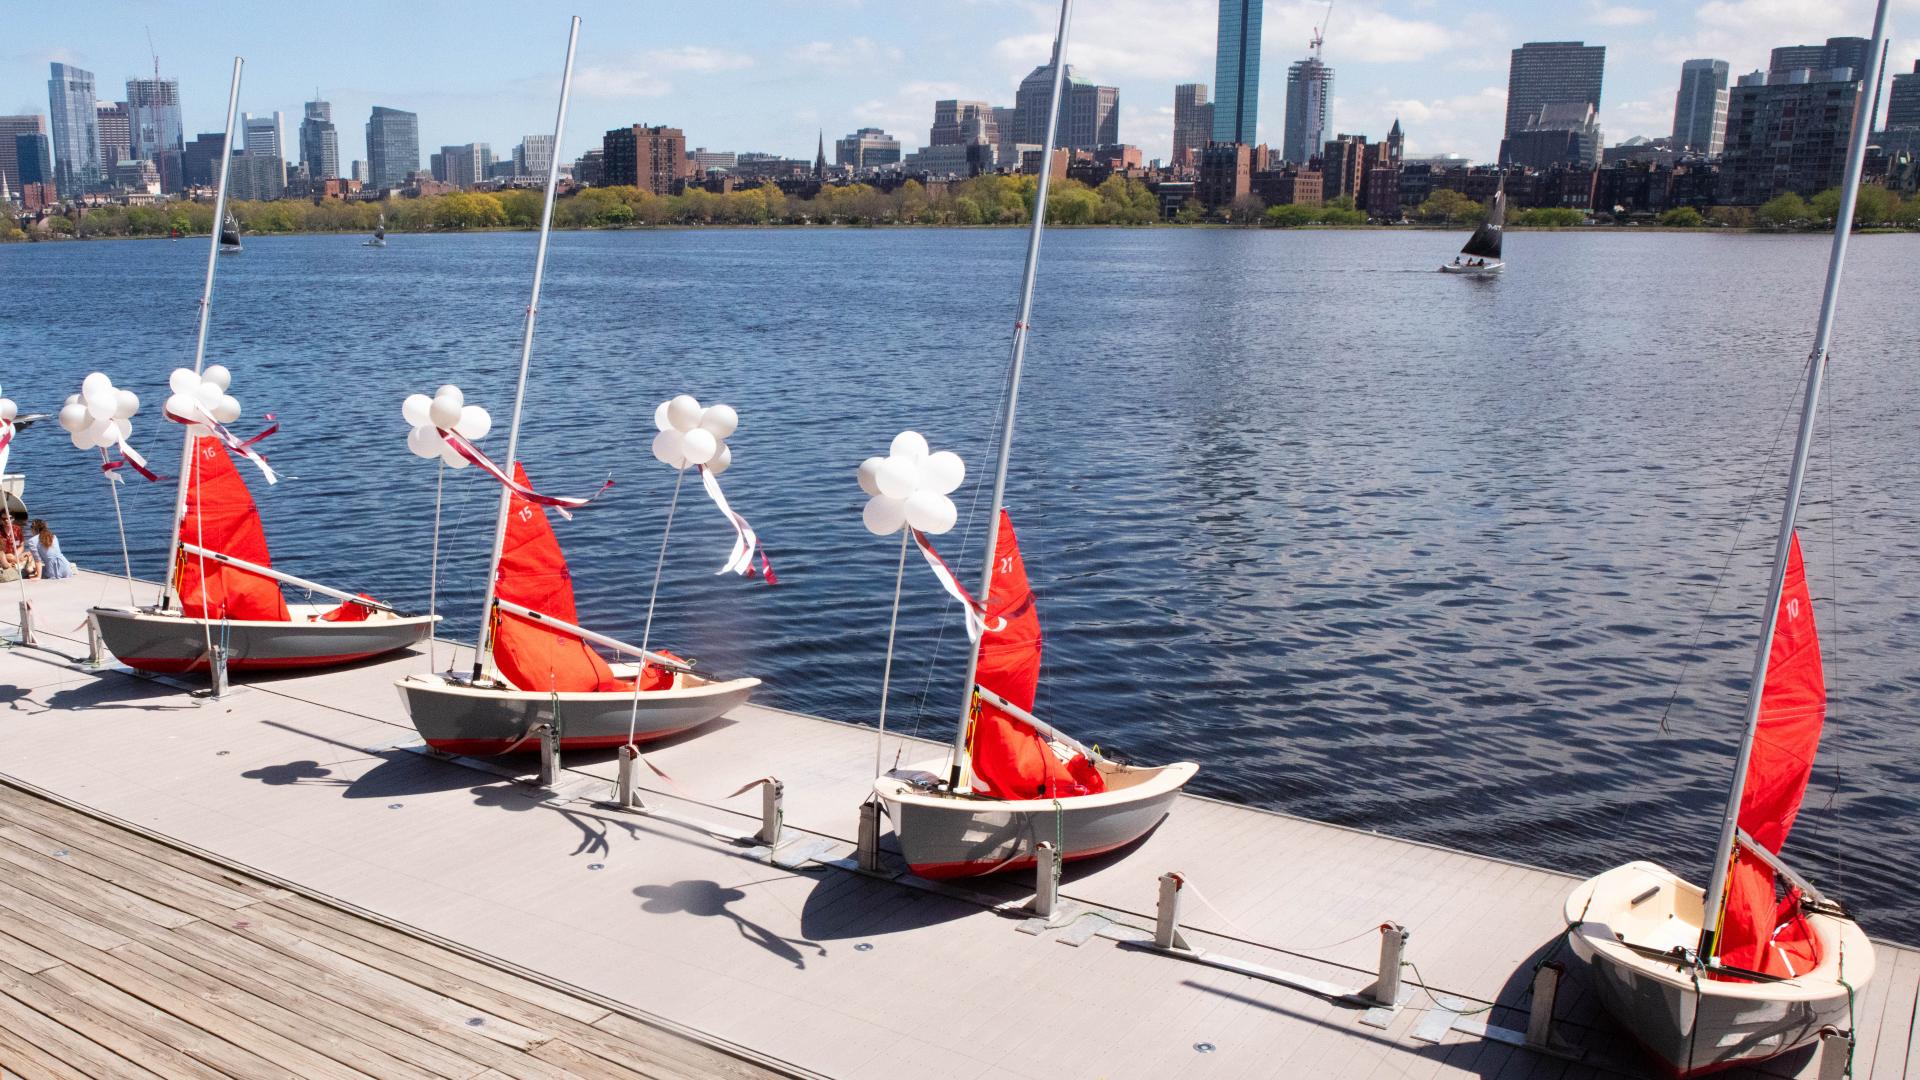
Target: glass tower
[[1236, 72], [393, 146], [76, 130]]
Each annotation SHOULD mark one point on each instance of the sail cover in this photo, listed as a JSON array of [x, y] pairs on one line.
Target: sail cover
[[221, 517], [1011, 760], [533, 573], [1758, 931], [1485, 241]]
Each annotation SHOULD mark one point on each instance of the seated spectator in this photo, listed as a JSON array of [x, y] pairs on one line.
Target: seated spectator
[[44, 549]]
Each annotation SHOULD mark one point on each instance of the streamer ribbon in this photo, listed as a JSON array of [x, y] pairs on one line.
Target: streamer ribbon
[[131, 459], [746, 543], [560, 503], [226, 438], [975, 611]]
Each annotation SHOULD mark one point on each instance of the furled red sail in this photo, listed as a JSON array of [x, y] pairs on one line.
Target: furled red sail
[[1760, 932], [533, 573], [221, 517], [1011, 760]]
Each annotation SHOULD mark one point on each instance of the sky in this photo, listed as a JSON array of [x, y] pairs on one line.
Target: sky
[[770, 75]]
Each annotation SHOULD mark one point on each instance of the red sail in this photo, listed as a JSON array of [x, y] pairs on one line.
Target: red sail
[[1010, 760], [1760, 932], [533, 574], [220, 516]]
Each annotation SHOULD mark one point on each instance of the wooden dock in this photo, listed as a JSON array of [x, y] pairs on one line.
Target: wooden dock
[[486, 897]]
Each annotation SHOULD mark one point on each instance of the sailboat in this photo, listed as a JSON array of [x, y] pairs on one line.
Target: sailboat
[[218, 566], [229, 235], [1011, 779], [533, 663], [1481, 255], [1759, 962], [379, 237]]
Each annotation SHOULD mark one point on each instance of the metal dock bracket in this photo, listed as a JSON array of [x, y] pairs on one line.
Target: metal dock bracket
[[26, 623], [1539, 1036]]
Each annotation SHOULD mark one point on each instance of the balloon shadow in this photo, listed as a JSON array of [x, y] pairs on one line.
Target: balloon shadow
[[709, 899]]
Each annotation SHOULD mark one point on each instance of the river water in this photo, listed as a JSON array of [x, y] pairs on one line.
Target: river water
[[1375, 545]]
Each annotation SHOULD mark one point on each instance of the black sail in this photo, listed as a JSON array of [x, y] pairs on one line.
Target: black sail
[[230, 232], [1485, 241]]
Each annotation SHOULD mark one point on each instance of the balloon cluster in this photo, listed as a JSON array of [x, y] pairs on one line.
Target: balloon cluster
[[201, 394], [910, 487], [691, 435], [100, 415], [446, 410]]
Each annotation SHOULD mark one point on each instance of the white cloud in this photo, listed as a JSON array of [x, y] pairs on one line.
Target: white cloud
[[1603, 14], [858, 52], [1462, 124], [619, 82], [1744, 32], [696, 58]]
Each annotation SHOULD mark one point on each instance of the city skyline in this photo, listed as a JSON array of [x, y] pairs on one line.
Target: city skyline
[[748, 85]]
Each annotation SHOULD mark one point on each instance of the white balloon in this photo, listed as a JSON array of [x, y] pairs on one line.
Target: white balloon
[[73, 399], [95, 384], [184, 406], [414, 410], [227, 409], [183, 381], [129, 404], [208, 394], [931, 512], [721, 420], [908, 444], [941, 472], [699, 446], [451, 456], [683, 412], [667, 448], [444, 412], [8, 410], [660, 422], [122, 429], [719, 462], [895, 477], [218, 375], [73, 417], [869, 475], [102, 433], [883, 515], [451, 393], [425, 441], [103, 405], [80, 440], [474, 423]]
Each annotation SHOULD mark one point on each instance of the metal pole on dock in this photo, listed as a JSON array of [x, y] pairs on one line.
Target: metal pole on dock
[[1809, 409]]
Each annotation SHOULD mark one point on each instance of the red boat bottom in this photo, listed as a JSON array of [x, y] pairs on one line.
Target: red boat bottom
[[983, 867], [199, 663], [491, 747]]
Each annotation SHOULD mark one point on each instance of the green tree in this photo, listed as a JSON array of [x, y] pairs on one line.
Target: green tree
[[1450, 207], [59, 224], [1784, 211], [1874, 205], [1730, 217], [1291, 215], [1190, 213], [1550, 217], [1681, 217], [1072, 203], [1335, 214]]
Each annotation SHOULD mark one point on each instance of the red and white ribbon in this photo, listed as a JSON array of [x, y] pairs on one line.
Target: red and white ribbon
[[131, 459], [746, 543], [6, 436], [243, 447], [560, 503], [974, 610]]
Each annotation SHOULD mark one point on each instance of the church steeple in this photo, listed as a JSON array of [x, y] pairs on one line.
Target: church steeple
[[820, 157]]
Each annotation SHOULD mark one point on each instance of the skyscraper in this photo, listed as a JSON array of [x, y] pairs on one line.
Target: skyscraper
[[1788, 134], [872, 148], [319, 142], [1236, 72], [534, 156], [159, 136], [10, 127], [35, 156], [114, 127], [1309, 109], [1089, 114], [393, 147], [1192, 121], [950, 120], [464, 166], [1700, 109], [1838, 52], [649, 158], [200, 163], [265, 138], [1546, 73], [1903, 102], [76, 130]]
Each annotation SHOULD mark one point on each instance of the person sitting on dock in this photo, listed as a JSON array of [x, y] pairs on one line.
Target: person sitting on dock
[[44, 548]]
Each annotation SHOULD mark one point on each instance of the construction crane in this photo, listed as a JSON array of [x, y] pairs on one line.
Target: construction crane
[[1319, 32]]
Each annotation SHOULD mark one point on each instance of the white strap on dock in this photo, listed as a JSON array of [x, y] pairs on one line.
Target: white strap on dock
[[585, 634], [296, 582]]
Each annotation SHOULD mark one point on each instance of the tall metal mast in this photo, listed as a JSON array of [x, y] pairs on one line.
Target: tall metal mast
[[958, 779], [483, 651], [206, 311], [1816, 373]]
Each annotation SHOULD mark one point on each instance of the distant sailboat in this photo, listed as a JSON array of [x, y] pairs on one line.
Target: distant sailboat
[[230, 236], [379, 238], [1481, 255]]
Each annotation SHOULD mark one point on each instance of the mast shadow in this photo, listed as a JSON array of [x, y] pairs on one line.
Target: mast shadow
[[709, 899]]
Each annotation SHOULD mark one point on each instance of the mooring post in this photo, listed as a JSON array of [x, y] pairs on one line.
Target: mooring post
[[549, 754], [1546, 986], [26, 623], [1393, 949], [1166, 928], [96, 645], [1046, 879], [870, 836], [218, 665], [772, 811], [625, 795], [1836, 1053]]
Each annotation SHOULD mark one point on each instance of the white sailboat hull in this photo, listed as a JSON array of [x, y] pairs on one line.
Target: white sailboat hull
[[1695, 1025], [171, 643], [460, 717], [946, 836], [1472, 271]]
